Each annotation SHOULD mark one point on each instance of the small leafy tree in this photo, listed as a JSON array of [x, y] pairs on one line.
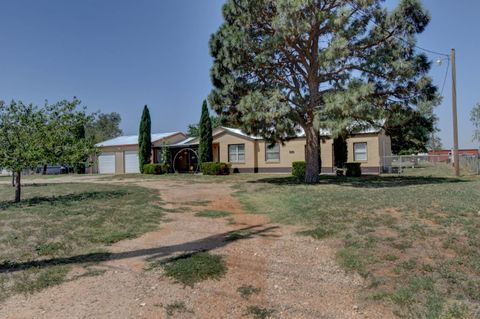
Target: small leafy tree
[[475, 118], [31, 137], [206, 139], [64, 140], [145, 139], [21, 135]]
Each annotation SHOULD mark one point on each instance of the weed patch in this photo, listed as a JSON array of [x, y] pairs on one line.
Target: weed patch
[[259, 312], [212, 214], [190, 269], [246, 291], [176, 307]]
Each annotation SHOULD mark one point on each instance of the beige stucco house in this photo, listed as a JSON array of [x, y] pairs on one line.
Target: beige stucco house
[[246, 154]]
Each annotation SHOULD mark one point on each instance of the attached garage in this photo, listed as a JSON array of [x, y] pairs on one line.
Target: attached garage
[[120, 155], [131, 162], [106, 163]]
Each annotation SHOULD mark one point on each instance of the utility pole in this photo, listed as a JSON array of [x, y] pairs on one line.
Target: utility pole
[[456, 158]]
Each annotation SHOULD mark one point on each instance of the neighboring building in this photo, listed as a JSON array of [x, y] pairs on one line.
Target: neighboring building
[[246, 153], [446, 155]]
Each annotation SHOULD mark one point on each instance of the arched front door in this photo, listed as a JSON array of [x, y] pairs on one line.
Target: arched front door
[[186, 161]]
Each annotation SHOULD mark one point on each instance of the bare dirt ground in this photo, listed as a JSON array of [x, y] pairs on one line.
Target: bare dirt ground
[[297, 276]]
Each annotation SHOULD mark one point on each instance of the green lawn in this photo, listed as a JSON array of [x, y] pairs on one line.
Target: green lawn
[[414, 238], [64, 223]]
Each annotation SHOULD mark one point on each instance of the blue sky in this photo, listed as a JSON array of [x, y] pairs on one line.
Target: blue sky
[[118, 55]]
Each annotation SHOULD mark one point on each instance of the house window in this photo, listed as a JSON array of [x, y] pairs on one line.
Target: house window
[[359, 151], [272, 153], [236, 153]]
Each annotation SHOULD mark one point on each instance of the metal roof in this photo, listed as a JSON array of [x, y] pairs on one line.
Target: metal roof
[[185, 142], [133, 139]]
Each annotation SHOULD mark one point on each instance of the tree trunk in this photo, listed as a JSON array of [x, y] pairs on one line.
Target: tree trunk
[[13, 179], [44, 172], [312, 155], [18, 189]]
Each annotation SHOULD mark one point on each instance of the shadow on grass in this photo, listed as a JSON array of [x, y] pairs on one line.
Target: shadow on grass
[[151, 254], [365, 181], [63, 199]]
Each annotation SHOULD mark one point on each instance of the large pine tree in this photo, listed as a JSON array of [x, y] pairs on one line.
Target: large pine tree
[[205, 132], [284, 65], [145, 139]]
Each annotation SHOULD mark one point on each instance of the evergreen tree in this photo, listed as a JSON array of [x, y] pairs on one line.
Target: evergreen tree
[[206, 139], [410, 130], [284, 65], [145, 139]]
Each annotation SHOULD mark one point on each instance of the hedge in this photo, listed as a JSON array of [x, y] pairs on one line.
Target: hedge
[[153, 169], [215, 168], [298, 169], [353, 169]]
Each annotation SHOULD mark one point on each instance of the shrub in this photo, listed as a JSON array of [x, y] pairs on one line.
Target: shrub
[[165, 168], [353, 169], [215, 168], [298, 169], [153, 169]]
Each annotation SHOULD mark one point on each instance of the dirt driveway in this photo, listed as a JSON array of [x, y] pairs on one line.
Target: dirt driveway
[[297, 276]]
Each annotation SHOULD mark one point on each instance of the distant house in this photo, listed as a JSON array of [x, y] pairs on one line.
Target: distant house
[[246, 153]]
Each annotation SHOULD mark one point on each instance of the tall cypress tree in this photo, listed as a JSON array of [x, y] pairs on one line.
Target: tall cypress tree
[[206, 139], [145, 139]]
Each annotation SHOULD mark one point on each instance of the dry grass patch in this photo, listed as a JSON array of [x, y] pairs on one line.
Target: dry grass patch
[[57, 224], [414, 239]]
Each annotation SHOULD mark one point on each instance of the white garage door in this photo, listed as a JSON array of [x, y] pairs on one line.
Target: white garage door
[[106, 163], [131, 162]]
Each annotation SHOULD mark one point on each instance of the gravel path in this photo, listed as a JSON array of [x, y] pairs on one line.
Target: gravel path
[[297, 276]]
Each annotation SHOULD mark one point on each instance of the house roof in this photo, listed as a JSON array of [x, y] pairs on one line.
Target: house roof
[[133, 139], [185, 142], [364, 128], [238, 132]]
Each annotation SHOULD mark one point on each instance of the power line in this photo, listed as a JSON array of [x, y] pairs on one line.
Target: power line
[[446, 75], [352, 2]]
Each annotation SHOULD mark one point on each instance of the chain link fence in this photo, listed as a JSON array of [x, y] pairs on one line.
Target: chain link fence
[[470, 163], [399, 164]]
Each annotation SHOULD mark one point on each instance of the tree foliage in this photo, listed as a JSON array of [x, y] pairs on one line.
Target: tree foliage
[[64, 140], [410, 130], [105, 126], [31, 136], [193, 130], [475, 119], [281, 65], [205, 130], [145, 139]]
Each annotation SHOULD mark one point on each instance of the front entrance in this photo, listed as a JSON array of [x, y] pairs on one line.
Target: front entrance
[[185, 160]]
